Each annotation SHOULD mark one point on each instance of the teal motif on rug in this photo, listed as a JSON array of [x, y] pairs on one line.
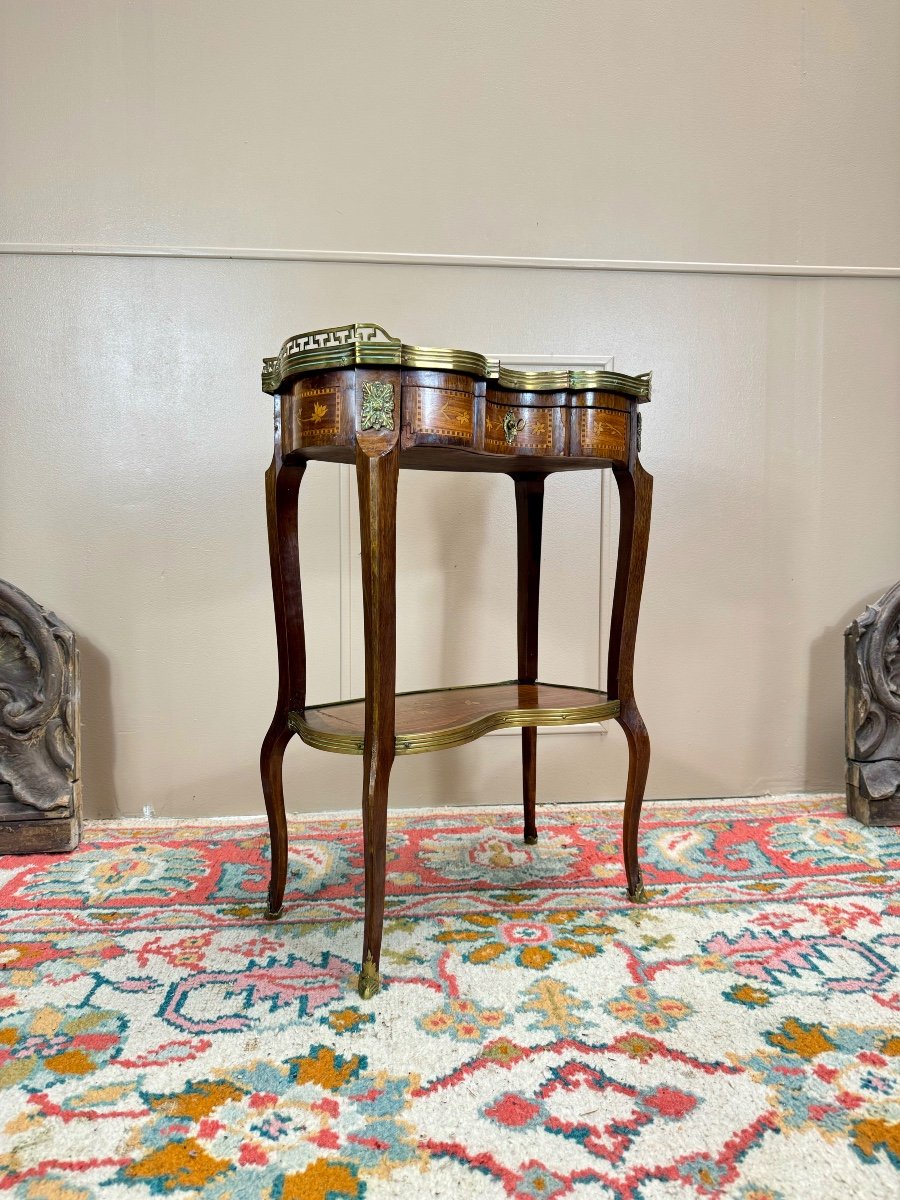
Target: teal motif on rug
[[536, 1036]]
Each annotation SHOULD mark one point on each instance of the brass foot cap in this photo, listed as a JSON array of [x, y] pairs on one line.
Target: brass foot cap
[[639, 895], [368, 987], [530, 839], [273, 916], [369, 981]]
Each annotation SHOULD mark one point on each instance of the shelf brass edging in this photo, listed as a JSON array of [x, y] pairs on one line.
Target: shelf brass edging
[[366, 344], [457, 735]]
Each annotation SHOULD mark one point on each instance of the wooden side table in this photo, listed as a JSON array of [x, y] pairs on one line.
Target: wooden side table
[[357, 395]]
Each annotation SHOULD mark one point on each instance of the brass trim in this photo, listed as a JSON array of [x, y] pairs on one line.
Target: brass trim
[[377, 410], [366, 344], [369, 980], [574, 381], [638, 894], [432, 358], [456, 735], [512, 427], [324, 349]]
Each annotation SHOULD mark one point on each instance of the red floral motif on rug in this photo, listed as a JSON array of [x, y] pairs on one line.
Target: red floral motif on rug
[[536, 1035]]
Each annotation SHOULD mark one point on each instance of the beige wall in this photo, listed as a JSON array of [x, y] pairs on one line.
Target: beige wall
[[135, 436], [758, 131]]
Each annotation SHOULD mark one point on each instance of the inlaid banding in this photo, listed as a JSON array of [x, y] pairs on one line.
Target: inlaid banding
[[441, 413]]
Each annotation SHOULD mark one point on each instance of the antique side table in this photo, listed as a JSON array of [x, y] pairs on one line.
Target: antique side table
[[357, 395]]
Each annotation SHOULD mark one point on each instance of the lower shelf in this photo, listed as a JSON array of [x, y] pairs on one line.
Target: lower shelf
[[445, 717]]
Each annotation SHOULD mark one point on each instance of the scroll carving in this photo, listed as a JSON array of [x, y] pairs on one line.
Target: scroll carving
[[39, 726], [872, 661]]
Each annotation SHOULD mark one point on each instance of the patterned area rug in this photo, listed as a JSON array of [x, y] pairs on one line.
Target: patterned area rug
[[536, 1037]]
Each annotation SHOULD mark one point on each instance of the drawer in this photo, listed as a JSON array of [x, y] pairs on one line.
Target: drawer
[[514, 430], [438, 409], [316, 410], [534, 427], [598, 433], [319, 414], [321, 417], [340, 388]]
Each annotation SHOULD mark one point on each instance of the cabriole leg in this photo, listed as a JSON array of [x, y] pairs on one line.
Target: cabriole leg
[[638, 765], [635, 496], [282, 485], [271, 760], [376, 472], [529, 522]]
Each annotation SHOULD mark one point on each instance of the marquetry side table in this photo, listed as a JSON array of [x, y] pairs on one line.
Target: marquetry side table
[[357, 395]]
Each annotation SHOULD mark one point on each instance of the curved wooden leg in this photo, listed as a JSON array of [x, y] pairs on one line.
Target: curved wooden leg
[[529, 523], [282, 485], [638, 765], [529, 785], [270, 762], [376, 473], [635, 495]]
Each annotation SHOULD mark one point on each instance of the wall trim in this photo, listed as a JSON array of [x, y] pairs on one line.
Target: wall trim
[[397, 258]]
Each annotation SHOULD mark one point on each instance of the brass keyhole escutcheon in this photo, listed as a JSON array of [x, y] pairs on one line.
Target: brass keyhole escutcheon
[[512, 427]]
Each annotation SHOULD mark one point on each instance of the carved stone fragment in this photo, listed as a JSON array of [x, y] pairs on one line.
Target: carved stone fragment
[[872, 665], [40, 743]]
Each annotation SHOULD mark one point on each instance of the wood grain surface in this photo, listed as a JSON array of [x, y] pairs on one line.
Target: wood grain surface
[[433, 719]]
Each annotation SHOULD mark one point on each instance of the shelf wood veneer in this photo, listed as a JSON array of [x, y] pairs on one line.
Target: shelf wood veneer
[[445, 717]]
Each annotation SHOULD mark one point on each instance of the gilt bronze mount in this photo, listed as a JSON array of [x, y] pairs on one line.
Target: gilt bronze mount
[[377, 409]]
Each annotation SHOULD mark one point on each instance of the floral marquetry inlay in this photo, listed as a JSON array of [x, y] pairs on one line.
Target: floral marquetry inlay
[[604, 433], [320, 415], [443, 413], [516, 428]]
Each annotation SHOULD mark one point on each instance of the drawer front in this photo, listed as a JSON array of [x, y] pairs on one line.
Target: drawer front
[[512, 429], [439, 414], [319, 414], [599, 433], [316, 410]]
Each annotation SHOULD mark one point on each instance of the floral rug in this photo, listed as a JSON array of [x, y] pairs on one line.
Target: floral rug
[[536, 1037]]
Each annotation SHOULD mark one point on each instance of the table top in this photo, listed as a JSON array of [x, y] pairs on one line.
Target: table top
[[454, 410], [367, 344]]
